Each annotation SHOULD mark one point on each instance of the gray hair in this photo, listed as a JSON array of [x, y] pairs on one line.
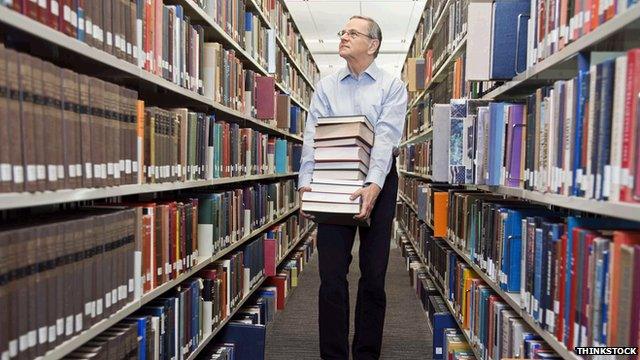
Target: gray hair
[[374, 30]]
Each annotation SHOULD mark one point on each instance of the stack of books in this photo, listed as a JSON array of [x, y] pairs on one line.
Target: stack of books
[[342, 149]]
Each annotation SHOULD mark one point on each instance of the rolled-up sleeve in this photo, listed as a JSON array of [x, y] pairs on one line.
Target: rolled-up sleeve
[[316, 109], [388, 132]]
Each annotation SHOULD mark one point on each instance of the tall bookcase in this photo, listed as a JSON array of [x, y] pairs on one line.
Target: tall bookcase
[[291, 63], [614, 28]]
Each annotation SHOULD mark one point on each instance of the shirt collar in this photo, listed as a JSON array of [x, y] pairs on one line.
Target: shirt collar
[[373, 71]]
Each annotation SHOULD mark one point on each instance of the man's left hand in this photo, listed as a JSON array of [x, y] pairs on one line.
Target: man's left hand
[[369, 195]]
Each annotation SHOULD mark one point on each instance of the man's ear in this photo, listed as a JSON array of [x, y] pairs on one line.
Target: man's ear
[[373, 46]]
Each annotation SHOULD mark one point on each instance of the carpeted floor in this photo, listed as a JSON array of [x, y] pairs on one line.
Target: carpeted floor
[[294, 332]]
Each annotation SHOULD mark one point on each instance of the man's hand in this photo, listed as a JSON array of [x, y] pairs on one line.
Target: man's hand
[[369, 195], [301, 191]]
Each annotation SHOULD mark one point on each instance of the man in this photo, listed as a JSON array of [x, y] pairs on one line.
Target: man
[[359, 88]]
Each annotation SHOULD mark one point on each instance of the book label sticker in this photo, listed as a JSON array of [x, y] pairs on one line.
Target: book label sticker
[[5, 172], [78, 324], [60, 171], [127, 166], [72, 171], [78, 170], [42, 3], [52, 334], [107, 300], [18, 174], [13, 348], [32, 338], [23, 341], [89, 27], [4, 355], [68, 329], [41, 172], [59, 327], [131, 285], [99, 307], [114, 296], [42, 335]]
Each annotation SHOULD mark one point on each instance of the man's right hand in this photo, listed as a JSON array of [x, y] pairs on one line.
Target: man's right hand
[[301, 191]]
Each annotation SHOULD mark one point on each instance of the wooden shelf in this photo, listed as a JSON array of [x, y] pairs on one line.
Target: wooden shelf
[[294, 62]]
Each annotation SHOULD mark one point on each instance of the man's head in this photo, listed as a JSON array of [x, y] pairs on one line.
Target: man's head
[[361, 37]]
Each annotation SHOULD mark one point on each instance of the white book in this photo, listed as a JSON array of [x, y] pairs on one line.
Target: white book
[[342, 142], [341, 165], [345, 120], [477, 66], [343, 182], [617, 126], [331, 207], [338, 175], [329, 197], [354, 153]]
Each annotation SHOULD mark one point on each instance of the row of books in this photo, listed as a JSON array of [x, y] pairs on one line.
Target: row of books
[[286, 30], [559, 259], [227, 217], [175, 324], [550, 31], [441, 321], [228, 82], [279, 239], [260, 43], [160, 39], [494, 329], [145, 144], [146, 244], [575, 138], [244, 336], [56, 286]]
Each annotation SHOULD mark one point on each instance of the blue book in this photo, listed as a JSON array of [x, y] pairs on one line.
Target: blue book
[[537, 282], [142, 323], [248, 21], [604, 311], [510, 39], [441, 321], [160, 313], [582, 96], [604, 128], [496, 134], [249, 339], [281, 156]]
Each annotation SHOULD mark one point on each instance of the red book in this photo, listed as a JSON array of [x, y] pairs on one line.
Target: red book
[[560, 286], [635, 305], [157, 41], [147, 251], [54, 13], [280, 282], [630, 114], [270, 257], [574, 287], [585, 308], [265, 97]]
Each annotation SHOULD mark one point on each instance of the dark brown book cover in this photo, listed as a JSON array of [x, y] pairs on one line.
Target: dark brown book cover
[[283, 106], [171, 40], [28, 127], [52, 84], [107, 25], [133, 19], [149, 142], [96, 93], [123, 115], [90, 282], [157, 248], [71, 145], [86, 127], [14, 120], [118, 34], [46, 179], [6, 178], [98, 27], [4, 293]]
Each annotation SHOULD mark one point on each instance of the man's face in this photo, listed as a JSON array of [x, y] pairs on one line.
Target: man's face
[[358, 46]]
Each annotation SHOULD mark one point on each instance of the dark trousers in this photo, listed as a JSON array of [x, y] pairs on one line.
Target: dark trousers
[[334, 256]]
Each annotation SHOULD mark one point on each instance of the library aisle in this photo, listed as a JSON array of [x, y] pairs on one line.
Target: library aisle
[[293, 335]]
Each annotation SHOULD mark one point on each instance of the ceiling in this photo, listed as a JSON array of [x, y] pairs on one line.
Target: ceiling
[[320, 20]]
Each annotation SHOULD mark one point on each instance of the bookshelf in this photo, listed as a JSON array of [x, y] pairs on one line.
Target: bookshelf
[[257, 286], [445, 298], [155, 87], [422, 135], [414, 174], [562, 64], [65, 348], [21, 200], [39, 40], [513, 300]]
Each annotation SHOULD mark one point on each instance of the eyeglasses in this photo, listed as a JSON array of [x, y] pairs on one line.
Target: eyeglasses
[[352, 34]]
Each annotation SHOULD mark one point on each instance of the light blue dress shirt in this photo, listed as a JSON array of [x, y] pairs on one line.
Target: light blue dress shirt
[[376, 94]]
